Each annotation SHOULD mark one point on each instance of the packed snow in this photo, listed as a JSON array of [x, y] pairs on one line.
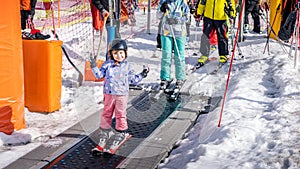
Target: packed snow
[[260, 127]]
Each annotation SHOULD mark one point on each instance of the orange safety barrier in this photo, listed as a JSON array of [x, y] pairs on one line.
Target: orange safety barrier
[[88, 74], [42, 74], [11, 69]]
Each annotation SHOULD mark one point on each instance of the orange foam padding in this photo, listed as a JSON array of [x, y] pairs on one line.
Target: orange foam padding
[[88, 74], [11, 69], [42, 75]]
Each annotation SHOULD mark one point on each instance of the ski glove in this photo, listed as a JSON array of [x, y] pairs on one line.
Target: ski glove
[[164, 7], [93, 62], [172, 21], [145, 71]]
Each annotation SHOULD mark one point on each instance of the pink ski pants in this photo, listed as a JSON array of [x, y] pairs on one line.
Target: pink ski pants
[[114, 104]]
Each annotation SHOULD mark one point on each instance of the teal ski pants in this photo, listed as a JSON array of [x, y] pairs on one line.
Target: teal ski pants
[[166, 59]]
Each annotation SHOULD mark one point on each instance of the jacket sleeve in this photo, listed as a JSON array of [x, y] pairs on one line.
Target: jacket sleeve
[[201, 7], [100, 72], [98, 5], [134, 78]]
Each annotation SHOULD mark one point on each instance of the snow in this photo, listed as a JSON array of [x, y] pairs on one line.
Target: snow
[[260, 126]]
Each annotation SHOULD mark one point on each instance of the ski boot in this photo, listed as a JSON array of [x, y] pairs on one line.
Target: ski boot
[[164, 84], [201, 61], [104, 135], [223, 60], [116, 141], [179, 84]]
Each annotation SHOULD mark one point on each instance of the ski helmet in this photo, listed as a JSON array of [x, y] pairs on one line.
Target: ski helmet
[[117, 44]]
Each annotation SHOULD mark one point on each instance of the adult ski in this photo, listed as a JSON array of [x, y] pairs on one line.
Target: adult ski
[[216, 70]]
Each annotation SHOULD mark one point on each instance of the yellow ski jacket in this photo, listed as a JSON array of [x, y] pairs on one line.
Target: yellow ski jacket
[[214, 9]]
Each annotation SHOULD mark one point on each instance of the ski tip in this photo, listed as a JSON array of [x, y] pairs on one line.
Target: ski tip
[[97, 151], [99, 148]]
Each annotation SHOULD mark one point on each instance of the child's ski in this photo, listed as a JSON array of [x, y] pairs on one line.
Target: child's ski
[[114, 144], [98, 150]]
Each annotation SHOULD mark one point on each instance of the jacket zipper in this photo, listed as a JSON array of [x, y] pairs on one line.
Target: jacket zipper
[[214, 9]]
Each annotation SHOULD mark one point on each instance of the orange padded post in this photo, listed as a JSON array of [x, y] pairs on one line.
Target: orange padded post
[[11, 69], [42, 74]]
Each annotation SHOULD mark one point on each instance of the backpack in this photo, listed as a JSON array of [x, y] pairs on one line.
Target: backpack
[[287, 29]]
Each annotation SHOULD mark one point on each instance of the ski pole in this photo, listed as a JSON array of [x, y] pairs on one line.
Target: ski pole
[[174, 38], [292, 40], [267, 20], [297, 37], [231, 63], [268, 38], [277, 38], [237, 44], [175, 43]]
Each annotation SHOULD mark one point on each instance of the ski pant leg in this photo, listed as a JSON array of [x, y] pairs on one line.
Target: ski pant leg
[[213, 37], [222, 28], [107, 113], [248, 9], [120, 112], [24, 17], [255, 16], [205, 43], [166, 59], [179, 59], [158, 40]]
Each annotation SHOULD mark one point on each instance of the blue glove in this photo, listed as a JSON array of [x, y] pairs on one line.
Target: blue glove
[[93, 62], [145, 71], [172, 21]]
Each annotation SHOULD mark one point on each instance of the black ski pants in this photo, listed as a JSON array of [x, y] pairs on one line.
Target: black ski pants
[[221, 28], [252, 7]]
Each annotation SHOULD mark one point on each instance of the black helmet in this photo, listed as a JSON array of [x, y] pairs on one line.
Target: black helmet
[[117, 44]]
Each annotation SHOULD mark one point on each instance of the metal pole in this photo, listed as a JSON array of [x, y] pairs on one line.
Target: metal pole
[[110, 10], [148, 18], [111, 29]]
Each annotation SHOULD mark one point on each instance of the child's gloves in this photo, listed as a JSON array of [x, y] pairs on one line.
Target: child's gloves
[[93, 62], [145, 71]]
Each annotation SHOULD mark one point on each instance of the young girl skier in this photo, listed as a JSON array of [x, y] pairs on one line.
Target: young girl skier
[[118, 74], [174, 14]]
